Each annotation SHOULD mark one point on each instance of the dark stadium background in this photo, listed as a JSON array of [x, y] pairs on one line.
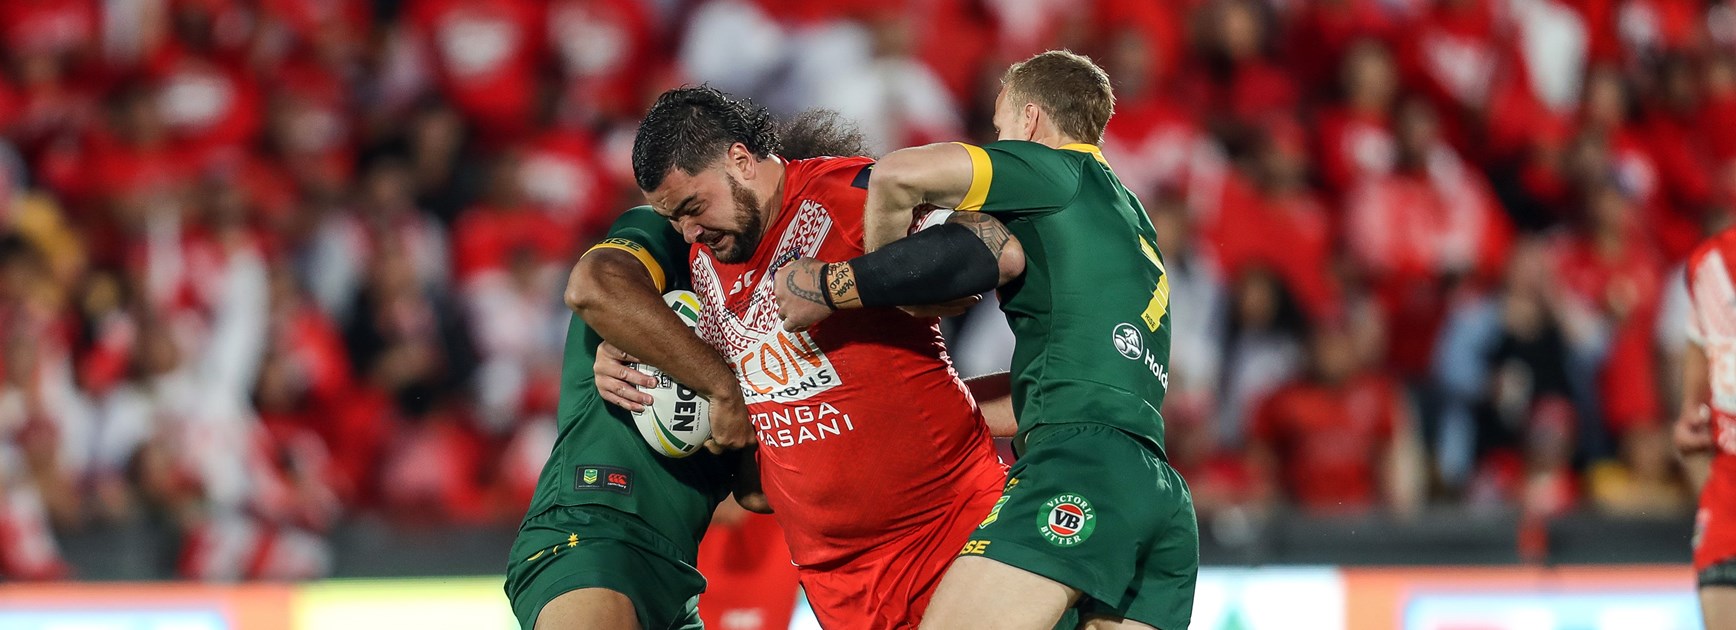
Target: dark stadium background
[[280, 279]]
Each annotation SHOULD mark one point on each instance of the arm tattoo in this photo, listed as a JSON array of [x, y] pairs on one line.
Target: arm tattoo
[[840, 286], [993, 233], [805, 293]]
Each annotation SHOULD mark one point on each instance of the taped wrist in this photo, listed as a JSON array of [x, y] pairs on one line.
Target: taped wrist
[[935, 265]]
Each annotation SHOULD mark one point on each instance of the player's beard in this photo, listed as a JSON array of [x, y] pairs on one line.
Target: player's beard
[[744, 240]]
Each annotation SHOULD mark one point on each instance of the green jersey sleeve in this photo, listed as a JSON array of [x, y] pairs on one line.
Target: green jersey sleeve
[[648, 236], [1018, 178]]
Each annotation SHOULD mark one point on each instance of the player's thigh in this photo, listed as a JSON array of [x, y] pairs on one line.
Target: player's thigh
[[979, 592], [1162, 592], [1066, 516], [597, 585], [588, 609], [1718, 606], [587, 550]]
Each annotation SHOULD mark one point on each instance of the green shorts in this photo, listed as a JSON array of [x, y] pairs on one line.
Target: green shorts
[[1091, 507], [569, 548]]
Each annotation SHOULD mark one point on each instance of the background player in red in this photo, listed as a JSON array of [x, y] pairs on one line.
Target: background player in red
[[1705, 434], [874, 457]]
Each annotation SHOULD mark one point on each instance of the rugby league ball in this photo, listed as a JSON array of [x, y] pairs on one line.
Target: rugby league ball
[[679, 421]]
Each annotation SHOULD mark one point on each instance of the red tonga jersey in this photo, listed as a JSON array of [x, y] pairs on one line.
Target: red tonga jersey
[[867, 437], [1712, 326]]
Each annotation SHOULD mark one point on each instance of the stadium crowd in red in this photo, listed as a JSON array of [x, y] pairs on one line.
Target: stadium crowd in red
[[270, 264]]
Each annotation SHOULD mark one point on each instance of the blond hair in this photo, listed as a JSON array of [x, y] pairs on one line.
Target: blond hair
[[1069, 87]]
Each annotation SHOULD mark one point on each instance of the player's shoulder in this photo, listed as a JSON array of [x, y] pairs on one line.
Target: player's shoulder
[[1028, 148], [824, 178], [636, 216], [831, 168], [1044, 157]]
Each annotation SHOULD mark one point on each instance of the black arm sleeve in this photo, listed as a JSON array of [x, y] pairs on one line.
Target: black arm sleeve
[[939, 264]]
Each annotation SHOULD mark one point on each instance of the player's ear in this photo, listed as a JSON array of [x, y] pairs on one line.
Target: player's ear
[[1029, 118], [739, 161]]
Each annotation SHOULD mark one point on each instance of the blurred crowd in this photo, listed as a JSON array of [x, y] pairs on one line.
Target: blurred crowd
[[266, 265]]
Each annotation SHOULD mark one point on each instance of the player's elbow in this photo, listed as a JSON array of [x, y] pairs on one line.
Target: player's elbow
[[587, 287], [1011, 262], [575, 295]]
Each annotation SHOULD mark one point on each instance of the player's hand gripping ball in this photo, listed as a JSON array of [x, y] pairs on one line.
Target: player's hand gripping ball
[[678, 420]]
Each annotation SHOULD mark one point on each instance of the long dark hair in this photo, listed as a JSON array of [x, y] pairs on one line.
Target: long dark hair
[[820, 132]]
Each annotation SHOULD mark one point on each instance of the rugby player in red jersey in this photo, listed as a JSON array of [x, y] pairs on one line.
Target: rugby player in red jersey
[[1705, 435], [875, 459]]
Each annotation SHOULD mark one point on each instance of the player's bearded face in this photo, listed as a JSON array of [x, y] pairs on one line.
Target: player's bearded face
[[714, 209], [736, 244]]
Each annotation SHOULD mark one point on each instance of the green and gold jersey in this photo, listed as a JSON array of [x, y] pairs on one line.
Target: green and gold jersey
[[1091, 313], [599, 457]]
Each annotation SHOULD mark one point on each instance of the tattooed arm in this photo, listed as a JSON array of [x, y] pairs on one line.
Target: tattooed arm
[[966, 255]]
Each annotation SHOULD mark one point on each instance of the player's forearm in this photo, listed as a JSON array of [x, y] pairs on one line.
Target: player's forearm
[[967, 255], [1695, 386], [1008, 252], [614, 294], [749, 493], [1696, 393]]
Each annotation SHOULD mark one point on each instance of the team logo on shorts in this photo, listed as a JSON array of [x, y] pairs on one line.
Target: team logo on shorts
[[1128, 341], [994, 514], [590, 475], [1066, 520]]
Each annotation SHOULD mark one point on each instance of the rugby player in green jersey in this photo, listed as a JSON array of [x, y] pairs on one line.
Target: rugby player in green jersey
[[612, 533], [1092, 520]]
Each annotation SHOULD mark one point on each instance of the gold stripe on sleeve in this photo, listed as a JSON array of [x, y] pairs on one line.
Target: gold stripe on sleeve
[[638, 251], [981, 172]]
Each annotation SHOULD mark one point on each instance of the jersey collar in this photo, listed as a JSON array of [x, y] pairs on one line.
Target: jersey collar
[[1086, 148]]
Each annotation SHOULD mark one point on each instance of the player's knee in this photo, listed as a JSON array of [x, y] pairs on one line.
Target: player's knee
[[588, 609]]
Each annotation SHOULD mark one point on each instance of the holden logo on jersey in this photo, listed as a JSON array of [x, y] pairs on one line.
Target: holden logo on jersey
[[1131, 344], [1128, 341], [1066, 520]]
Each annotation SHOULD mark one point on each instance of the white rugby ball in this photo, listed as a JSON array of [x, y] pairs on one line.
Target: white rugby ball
[[678, 422]]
